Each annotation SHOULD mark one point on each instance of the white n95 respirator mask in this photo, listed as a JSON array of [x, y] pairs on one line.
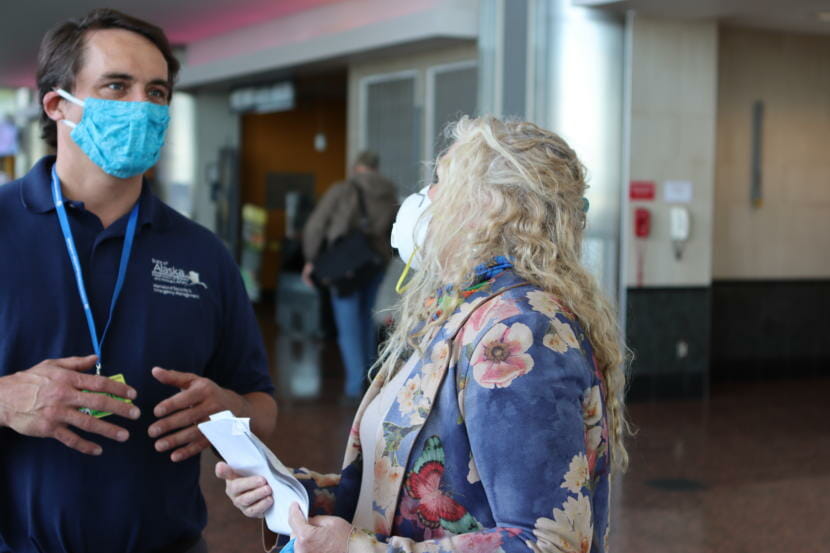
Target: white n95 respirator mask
[[410, 229]]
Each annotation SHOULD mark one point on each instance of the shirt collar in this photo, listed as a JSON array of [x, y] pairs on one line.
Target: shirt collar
[[36, 195], [486, 271], [35, 192], [485, 276]]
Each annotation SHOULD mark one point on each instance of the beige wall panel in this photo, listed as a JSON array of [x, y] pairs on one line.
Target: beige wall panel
[[789, 235], [673, 100]]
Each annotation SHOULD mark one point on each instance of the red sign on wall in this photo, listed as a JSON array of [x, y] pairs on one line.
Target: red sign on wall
[[642, 190]]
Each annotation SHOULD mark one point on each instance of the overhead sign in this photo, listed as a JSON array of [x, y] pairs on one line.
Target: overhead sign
[[263, 99]]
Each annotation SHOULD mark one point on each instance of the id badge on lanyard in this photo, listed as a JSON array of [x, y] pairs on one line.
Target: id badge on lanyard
[[63, 219]]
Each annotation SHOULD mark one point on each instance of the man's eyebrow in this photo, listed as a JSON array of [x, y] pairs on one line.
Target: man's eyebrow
[[119, 76], [127, 77]]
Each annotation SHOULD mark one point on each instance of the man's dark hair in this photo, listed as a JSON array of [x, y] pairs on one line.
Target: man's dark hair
[[61, 54], [368, 159]]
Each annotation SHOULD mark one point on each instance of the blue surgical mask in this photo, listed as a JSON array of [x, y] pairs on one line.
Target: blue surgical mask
[[124, 139]]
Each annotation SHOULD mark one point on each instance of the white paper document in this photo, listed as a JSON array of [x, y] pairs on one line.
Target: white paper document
[[248, 456]]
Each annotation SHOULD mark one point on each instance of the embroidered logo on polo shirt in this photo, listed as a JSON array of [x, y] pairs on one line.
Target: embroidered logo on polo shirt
[[172, 281]]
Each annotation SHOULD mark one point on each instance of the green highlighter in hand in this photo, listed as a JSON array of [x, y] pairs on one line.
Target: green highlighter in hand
[[102, 414]]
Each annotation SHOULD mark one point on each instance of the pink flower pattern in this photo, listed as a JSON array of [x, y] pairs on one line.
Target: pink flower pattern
[[478, 542], [497, 309], [501, 356], [408, 512], [490, 362]]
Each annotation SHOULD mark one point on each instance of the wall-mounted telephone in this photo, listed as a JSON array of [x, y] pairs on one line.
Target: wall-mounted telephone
[[679, 228], [680, 224], [642, 222]]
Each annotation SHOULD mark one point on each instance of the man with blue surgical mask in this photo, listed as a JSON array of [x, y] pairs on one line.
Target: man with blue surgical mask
[[123, 324]]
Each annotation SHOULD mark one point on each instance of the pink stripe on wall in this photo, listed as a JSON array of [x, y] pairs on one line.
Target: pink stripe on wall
[[327, 17], [224, 18]]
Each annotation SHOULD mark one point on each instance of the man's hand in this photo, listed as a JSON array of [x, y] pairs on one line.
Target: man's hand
[[308, 269], [320, 534], [198, 399], [43, 402]]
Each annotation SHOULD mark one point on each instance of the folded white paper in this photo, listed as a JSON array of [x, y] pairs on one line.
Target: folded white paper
[[248, 456]]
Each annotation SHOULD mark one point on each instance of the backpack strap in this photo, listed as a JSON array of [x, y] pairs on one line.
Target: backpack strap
[[361, 206]]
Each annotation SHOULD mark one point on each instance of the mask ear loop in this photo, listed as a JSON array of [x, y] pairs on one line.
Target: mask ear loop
[[70, 98], [67, 96], [400, 288]]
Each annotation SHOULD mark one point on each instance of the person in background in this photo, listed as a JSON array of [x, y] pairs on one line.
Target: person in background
[[496, 418], [101, 279], [337, 213]]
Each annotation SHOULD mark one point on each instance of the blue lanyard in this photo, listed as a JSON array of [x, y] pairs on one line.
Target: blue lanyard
[[57, 197]]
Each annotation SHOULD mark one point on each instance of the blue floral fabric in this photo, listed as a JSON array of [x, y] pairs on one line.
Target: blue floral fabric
[[497, 441]]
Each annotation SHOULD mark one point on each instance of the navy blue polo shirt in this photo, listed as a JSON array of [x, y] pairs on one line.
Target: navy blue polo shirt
[[182, 307]]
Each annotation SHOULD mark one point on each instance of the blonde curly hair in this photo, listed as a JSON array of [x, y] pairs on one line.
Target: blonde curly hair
[[514, 189]]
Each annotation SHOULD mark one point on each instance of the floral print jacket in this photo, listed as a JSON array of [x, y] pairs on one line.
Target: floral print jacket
[[497, 442]]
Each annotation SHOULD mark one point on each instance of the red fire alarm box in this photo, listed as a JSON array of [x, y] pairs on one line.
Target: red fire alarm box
[[642, 222], [642, 190]]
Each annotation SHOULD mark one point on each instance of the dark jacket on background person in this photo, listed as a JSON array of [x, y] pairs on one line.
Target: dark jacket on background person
[[338, 212]]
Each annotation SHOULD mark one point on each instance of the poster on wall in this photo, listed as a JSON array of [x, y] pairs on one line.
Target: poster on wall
[[254, 221], [678, 191]]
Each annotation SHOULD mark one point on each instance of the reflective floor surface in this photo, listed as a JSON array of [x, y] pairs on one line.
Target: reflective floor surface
[[746, 471]]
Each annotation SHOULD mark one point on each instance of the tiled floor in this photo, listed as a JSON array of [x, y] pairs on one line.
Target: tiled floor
[[760, 451], [746, 471]]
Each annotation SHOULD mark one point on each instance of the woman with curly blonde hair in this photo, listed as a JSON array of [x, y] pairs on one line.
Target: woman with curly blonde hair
[[496, 417]]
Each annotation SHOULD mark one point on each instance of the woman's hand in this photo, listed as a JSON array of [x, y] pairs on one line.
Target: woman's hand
[[250, 494], [320, 534]]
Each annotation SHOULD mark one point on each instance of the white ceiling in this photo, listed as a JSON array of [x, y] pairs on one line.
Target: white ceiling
[[24, 22], [786, 15]]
